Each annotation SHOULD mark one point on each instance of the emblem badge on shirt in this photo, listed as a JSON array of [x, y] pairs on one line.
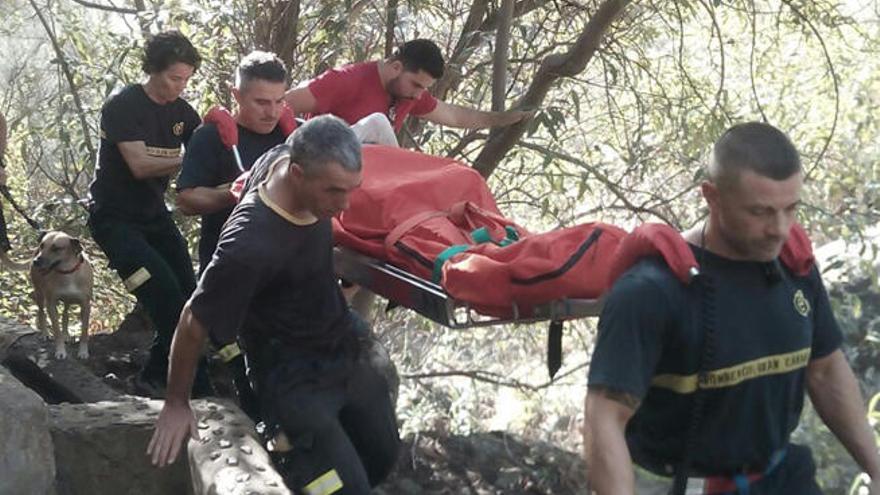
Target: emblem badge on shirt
[[177, 129], [801, 305]]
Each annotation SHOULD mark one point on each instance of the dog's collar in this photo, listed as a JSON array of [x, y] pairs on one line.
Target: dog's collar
[[75, 267]]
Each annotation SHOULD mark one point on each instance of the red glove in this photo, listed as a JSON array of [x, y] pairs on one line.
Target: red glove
[[287, 121], [237, 186], [226, 125]]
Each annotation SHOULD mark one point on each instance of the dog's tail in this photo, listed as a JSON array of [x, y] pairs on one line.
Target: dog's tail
[[14, 266]]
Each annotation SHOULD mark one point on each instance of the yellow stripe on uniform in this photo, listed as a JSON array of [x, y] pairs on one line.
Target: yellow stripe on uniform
[[163, 152], [229, 352], [325, 484], [264, 197], [734, 375], [137, 279]]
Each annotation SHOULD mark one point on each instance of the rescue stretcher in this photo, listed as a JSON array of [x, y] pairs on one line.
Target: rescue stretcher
[[425, 233], [433, 302]]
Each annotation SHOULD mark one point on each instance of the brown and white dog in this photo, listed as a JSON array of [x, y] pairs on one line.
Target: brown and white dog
[[61, 272]]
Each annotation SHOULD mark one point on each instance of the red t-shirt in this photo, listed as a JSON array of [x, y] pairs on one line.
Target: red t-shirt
[[354, 91]]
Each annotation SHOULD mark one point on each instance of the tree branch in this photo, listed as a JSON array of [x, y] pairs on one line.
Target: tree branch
[[68, 75], [495, 378], [834, 80], [390, 22], [108, 8], [284, 30], [601, 177], [553, 67], [499, 58], [470, 39]]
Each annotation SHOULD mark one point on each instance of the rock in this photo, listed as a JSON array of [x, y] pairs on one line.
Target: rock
[[10, 333], [27, 462], [229, 459], [100, 448], [70, 372]]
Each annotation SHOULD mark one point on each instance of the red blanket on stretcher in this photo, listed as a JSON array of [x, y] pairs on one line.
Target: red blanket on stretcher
[[437, 219]]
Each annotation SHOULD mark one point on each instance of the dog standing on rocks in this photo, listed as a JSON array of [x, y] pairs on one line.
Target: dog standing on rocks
[[61, 272]]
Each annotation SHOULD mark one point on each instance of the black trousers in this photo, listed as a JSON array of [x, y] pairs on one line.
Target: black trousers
[[338, 416], [796, 474], [153, 261]]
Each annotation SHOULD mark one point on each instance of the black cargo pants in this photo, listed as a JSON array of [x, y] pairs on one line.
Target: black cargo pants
[[153, 262], [338, 416]]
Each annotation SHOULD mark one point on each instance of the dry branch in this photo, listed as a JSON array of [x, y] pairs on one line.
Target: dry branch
[[553, 67]]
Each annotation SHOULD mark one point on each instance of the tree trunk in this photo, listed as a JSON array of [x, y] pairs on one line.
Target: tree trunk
[[390, 22], [144, 24], [478, 23], [276, 29], [553, 67], [68, 77], [499, 62], [285, 31]]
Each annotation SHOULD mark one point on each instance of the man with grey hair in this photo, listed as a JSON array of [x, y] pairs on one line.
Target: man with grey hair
[[271, 286]]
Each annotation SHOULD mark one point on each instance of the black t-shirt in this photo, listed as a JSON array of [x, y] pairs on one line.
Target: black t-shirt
[[208, 163], [131, 115], [650, 343], [272, 278]]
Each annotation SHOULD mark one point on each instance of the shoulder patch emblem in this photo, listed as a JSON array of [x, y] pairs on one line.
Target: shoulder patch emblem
[[177, 129], [801, 305]]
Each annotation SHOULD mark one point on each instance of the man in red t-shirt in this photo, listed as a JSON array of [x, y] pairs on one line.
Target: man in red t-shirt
[[395, 88]]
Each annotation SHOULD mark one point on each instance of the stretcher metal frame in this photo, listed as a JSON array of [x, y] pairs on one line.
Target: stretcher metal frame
[[431, 301]]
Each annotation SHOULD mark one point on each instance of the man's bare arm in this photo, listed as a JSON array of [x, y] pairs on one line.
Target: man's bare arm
[[301, 100], [176, 421], [835, 394], [204, 200], [609, 465], [469, 118], [145, 166]]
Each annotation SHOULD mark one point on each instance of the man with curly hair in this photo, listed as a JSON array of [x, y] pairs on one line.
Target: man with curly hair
[[142, 129]]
